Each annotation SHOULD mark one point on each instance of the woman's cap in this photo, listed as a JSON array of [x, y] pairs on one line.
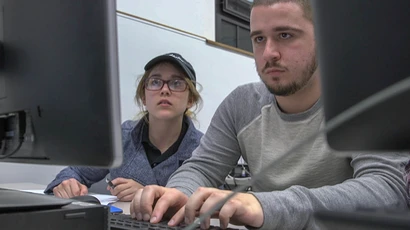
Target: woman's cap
[[174, 58]]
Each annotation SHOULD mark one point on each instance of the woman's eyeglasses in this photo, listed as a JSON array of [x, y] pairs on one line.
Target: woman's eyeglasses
[[176, 85]]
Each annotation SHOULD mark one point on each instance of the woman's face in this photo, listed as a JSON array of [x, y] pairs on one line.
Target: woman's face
[[165, 103]]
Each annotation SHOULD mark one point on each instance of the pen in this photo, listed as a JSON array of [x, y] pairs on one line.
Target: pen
[[108, 181]]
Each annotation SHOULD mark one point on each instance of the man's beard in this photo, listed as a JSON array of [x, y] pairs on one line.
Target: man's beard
[[293, 87]]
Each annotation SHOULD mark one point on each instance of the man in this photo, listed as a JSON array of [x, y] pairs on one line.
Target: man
[[260, 122]]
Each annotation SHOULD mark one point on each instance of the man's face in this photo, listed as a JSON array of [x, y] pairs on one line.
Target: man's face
[[283, 46]]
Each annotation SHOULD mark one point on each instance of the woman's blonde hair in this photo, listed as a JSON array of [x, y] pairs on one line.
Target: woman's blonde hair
[[194, 96]]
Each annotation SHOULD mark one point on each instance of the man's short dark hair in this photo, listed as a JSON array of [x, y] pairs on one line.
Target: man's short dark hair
[[304, 4]]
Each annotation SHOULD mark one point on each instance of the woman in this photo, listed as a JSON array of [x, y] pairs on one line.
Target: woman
[[154, 146]]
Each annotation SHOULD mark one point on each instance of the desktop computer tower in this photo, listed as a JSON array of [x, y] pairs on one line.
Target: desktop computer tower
[[77, 215]]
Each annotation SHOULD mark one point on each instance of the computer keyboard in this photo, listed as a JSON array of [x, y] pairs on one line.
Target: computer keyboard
[[125, 222]]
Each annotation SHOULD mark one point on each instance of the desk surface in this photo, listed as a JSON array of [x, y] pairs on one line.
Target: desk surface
[[23, 186], [125, 206]]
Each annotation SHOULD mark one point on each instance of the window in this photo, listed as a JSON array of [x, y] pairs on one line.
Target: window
[[232, 23]]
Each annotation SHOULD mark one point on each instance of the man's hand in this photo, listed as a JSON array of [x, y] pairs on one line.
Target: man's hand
[[241, 209], [124, 189], [70, 188], [153, 202]]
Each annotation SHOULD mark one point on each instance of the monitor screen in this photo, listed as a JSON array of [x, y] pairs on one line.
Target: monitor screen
[[59, 83], [364, 47]]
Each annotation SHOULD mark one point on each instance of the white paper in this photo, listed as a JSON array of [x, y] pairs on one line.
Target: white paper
[[41, 191], [104, 199]]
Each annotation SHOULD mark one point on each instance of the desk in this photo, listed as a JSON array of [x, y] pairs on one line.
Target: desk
[[125, 206], [23, 186]]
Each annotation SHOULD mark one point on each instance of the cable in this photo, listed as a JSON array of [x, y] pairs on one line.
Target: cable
[[245, 172], [227, 186], [21, 132], [2, 130], [2, 156], [385, 94]]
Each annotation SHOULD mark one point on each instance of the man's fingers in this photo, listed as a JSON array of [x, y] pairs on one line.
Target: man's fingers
[[143, 202], [212, 199], [166, 200], [149, 195], [132, 212], [134, 206], [202, 201], [195, 203], [243, 209], [226, 213], [127, 197], [177, 218]]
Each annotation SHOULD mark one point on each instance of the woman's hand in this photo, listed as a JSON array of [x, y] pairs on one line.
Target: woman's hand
[[124, 189]]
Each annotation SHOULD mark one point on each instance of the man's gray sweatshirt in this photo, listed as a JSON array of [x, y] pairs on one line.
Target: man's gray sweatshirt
[[248, 123]]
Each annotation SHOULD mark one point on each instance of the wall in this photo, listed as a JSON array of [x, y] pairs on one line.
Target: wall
[[194, 16], [219, 71]]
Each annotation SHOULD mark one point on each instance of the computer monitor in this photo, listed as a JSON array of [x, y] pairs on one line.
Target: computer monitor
[[59, 83], [364, 47]]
